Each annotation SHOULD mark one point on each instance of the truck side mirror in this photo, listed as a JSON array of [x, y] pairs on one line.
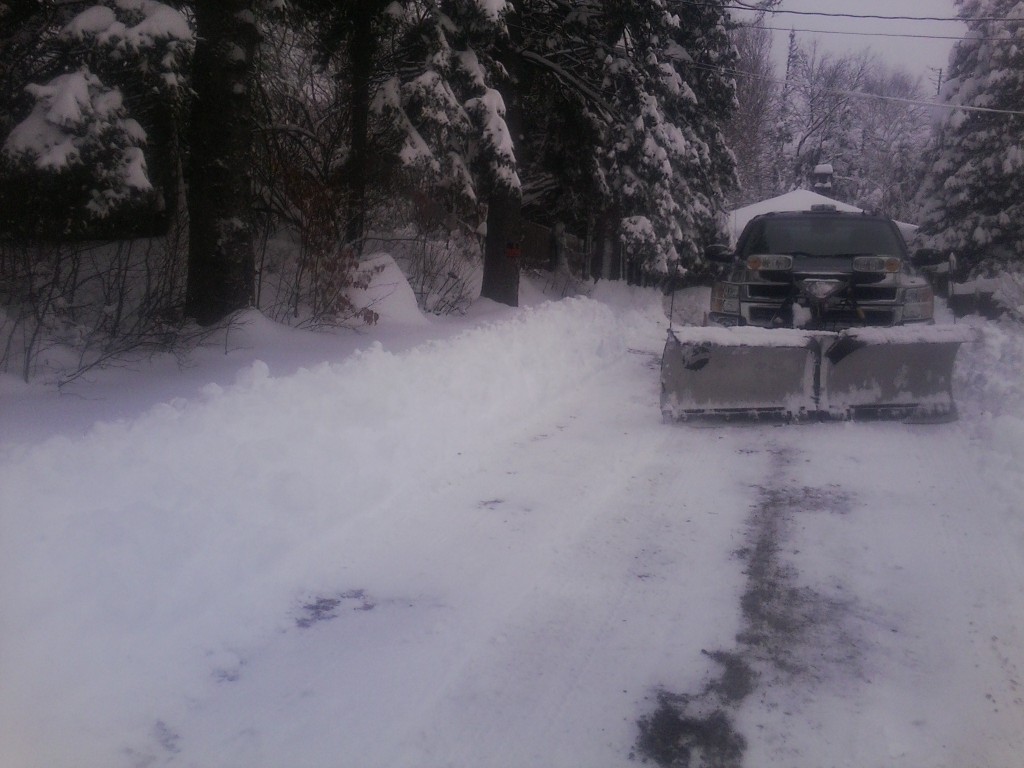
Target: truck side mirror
[[720, 254]]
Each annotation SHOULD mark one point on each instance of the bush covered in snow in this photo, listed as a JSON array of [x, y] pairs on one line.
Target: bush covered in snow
[[77, 153], [105, 77], [443, 268]]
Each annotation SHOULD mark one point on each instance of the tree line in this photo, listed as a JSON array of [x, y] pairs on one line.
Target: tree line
[[632, 124], [949, 162], [603, 116]]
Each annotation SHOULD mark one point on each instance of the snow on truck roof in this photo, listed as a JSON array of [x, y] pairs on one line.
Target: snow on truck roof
[[797, 200]]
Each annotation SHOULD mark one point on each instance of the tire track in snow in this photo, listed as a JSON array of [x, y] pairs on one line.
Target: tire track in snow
[[938, 577], [613, 543], [882, 618], [788, 631]]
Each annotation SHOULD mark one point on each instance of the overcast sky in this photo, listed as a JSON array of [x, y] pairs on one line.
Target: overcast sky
[[916, 55]]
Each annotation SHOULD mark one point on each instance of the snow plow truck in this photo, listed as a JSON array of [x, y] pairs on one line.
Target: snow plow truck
[[819, 315]]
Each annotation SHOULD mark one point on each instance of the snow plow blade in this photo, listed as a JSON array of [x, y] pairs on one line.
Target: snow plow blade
[[738, 373], [890, 373], [903, 373]]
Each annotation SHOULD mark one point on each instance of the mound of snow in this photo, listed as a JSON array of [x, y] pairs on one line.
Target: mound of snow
[[146, 551], [389, 293]]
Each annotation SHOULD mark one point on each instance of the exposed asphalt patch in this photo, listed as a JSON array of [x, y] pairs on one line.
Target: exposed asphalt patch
[[326, 608], [794, 629], [672, 737], [788, 632], [697, 731]]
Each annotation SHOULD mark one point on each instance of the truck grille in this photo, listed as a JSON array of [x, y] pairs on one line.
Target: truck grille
[[875, 293], [768, 291], [779, 292], [841, 317], [763, 315]]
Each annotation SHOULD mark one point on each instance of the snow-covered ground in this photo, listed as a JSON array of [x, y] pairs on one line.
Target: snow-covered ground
[[473, 543]]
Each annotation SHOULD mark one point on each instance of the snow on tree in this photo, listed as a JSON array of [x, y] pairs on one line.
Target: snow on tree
[[154, 39], [751, 130], [820, 112], [687, 76], [415, 80], [102, 69], [440, 96], [622, 111], [77, 122], [419, 103], [973, 196]]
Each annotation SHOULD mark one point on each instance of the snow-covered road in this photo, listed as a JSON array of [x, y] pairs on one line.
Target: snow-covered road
[[489, 551], [885, 608]]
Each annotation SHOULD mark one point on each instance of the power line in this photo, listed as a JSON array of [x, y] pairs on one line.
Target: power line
[[863, 95], [849, 15], [921, 103], [872, 16], [870, 34]]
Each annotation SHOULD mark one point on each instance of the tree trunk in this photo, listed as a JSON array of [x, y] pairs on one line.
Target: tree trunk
[[221, 257], [502, 248], [503, 245], [361, 44], [606, 256]]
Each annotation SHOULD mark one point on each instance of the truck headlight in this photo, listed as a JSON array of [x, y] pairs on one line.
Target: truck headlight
[[918, 303], [725, 298], [889, 264]]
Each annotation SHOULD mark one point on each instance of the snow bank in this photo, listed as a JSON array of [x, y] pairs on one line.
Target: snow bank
[[176, 537], [389, 293], [989, 370], [989, 387], [532, 542]]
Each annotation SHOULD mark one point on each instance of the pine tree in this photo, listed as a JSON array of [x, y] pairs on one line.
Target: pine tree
[[417, 79], [111, 67], [102, 83], [973, 197], [622, 107]]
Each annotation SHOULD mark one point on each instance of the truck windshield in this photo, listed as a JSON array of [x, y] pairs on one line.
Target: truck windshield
[[815, 235]]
